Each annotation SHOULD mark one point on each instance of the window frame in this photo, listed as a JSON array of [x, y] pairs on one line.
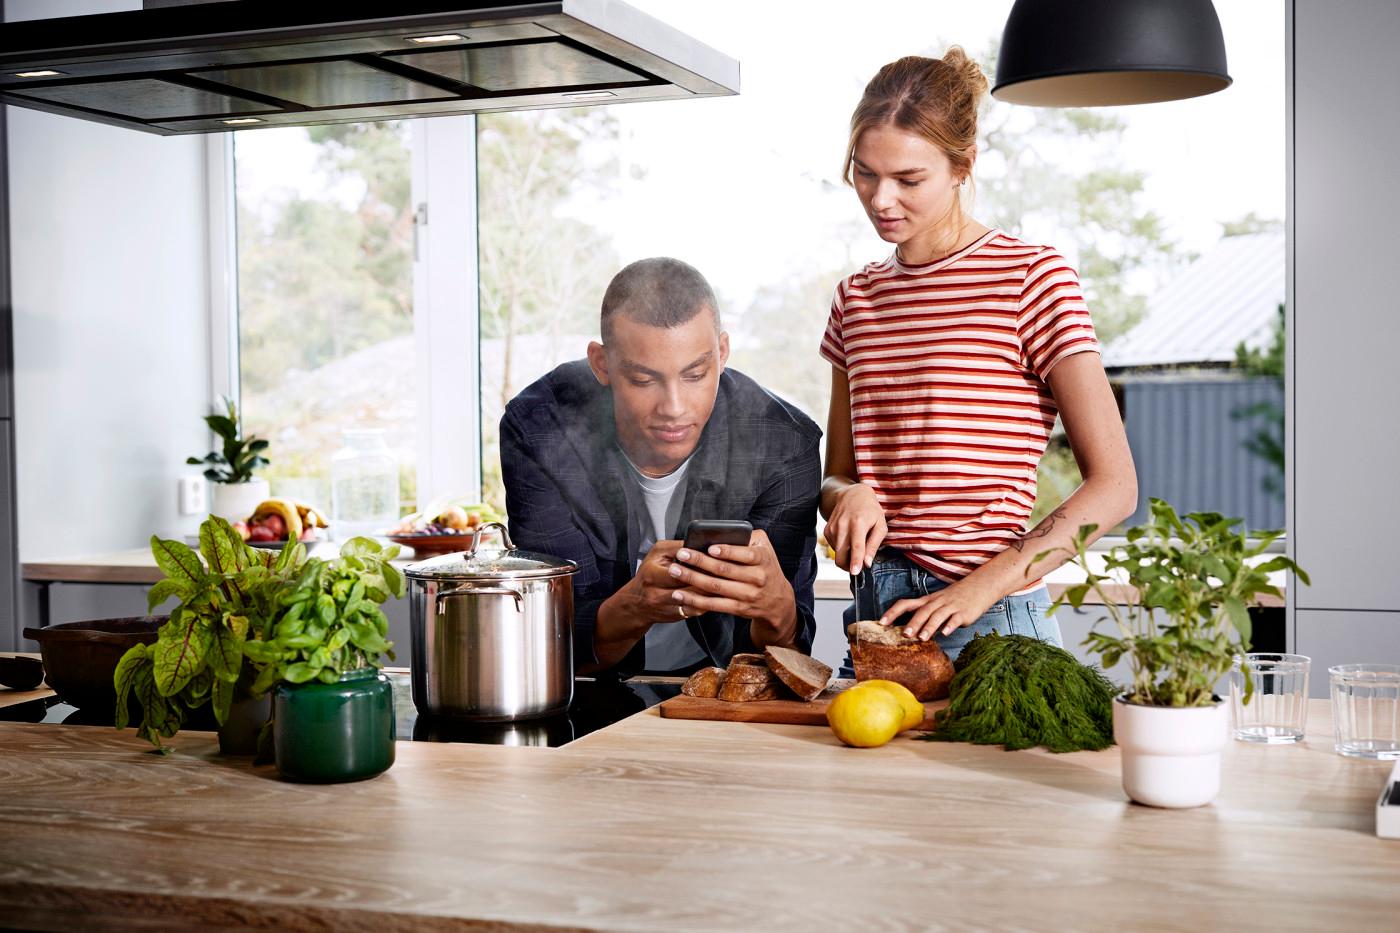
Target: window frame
[[445, 297]]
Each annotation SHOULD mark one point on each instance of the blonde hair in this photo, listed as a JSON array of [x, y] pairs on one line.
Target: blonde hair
[[935, 98]]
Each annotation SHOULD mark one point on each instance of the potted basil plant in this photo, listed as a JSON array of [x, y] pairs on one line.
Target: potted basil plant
[[227, 600], [1190, 581], [230, 467], [332, 709]]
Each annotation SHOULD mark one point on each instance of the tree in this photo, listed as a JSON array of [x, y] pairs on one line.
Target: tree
[[543, 271], [319, 279], [1267, 441]]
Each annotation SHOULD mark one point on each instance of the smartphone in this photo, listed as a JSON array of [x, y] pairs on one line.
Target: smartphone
[[703, 532]]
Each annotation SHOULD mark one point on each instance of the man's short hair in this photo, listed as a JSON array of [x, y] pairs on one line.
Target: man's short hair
[[659, 292]]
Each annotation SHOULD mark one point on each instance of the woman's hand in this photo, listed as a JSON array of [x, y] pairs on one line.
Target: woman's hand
[[944, 612], [857, 527]]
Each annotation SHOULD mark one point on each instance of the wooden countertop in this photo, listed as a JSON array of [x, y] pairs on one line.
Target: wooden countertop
[[137, 566], [680, 825]]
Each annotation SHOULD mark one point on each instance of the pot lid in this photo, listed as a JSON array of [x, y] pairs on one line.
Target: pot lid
[[486, 562]]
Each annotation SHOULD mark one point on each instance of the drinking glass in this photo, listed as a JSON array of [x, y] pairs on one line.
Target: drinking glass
[[1278, 710], [1366, 709]]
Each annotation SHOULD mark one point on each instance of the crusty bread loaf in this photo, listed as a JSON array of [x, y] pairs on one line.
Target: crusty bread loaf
[[749, 674], [737, 692], [704, 683], [748, 658], [883, 653], [803, 674]]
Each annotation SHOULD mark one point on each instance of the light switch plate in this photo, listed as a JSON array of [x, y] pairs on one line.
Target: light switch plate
[[193, 495]]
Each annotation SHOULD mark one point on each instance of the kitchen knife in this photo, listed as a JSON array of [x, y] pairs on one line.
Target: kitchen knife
[[867, 600]]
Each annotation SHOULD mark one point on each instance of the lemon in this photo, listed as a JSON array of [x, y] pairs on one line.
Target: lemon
[[913, 709], [865, 718]]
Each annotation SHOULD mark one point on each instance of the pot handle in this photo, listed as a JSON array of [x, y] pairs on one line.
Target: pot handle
[[468, 589], [487, 526]]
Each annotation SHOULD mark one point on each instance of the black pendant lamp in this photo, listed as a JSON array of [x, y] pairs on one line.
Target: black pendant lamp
[[1105, 53]]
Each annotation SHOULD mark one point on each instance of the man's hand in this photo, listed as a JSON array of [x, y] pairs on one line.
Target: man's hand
[[650, 591], [742, 581]]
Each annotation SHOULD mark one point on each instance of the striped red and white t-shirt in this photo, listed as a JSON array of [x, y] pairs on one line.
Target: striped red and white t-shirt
[[950, 411]]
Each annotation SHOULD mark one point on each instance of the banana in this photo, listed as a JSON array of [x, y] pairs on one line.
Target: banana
[[310, 518], [287, 509]]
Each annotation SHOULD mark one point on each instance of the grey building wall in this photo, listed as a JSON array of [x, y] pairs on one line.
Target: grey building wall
[[1344, 443], [1189, 446]]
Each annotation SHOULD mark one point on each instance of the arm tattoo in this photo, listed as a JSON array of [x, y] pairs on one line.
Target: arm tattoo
[[1041, 530]]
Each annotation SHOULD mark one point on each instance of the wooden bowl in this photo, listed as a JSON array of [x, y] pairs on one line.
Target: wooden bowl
[[80, 658]]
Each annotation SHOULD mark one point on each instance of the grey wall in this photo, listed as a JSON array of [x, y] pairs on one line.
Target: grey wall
[[1345, 327], [109, 258]]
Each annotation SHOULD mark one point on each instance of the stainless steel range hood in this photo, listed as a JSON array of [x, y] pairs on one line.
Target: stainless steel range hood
[[204, 66]]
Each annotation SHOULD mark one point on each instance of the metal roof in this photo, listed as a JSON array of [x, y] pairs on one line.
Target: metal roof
[[1227, 296]]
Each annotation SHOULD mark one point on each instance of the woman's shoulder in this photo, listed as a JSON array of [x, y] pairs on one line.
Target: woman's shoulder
[[867, 275], [1013, 246]]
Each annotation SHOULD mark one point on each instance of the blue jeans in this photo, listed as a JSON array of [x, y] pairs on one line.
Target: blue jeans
[[896, 578]]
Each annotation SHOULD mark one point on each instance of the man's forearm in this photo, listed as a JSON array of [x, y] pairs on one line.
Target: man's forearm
[[618, 627]]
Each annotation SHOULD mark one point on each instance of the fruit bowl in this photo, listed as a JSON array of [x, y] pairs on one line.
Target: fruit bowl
[[431, 544]]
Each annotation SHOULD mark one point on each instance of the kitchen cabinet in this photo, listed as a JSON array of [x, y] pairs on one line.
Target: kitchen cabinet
[[1343, 329], [1337, 637]]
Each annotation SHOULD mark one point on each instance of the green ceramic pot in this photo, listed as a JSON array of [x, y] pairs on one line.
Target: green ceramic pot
[[327, 733]]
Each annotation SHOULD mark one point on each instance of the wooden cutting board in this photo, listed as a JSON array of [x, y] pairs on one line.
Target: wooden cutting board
[[785, 712]]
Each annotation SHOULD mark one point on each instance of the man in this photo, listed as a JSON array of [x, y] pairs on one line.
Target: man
[[606, 460]]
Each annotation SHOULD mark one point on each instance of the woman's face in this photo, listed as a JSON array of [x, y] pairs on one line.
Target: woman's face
[[905, 183]]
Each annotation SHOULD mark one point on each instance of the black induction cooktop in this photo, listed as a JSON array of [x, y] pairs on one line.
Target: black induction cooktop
[[596, 704]]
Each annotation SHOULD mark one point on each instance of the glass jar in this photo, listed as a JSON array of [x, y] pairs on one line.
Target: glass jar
[[364, 485]]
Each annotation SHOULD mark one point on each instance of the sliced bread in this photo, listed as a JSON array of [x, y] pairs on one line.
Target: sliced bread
[[803, 674], [743, 693]]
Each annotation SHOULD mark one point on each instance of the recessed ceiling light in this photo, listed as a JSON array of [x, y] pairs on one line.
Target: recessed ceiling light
[[429, 40], [240, 121], [37, 74], [590, 95]]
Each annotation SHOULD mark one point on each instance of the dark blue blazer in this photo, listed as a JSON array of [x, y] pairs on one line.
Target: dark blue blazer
[[757, 460]]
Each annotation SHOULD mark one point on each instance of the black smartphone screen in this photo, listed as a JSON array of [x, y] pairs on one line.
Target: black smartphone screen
[[703, 532]]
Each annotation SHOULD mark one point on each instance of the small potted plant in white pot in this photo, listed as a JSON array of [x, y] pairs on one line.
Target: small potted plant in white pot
[[1190, 582], [236, 491]]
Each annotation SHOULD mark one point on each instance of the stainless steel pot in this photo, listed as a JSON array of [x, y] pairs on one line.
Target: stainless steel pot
[[492, 632]]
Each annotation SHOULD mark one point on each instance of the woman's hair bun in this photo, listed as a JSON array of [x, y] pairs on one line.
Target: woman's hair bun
[[968, 71]]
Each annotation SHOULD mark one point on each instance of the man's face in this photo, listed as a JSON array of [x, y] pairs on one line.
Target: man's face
[[663, 381]]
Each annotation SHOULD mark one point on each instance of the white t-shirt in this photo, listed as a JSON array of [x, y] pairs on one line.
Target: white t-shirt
[[669, 646]]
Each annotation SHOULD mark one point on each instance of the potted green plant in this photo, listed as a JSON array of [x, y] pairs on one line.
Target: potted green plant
[[1190, 583], [226, 600], [332, 709], [236, 491]]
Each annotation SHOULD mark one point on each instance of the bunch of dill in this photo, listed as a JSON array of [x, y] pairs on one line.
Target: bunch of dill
[[1019, 692]]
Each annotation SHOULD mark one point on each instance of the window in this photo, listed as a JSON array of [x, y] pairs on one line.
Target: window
[[1144, 201], [1160, 208], [325, 288]]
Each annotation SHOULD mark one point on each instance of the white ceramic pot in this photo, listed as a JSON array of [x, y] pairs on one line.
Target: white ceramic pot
[[236, 501], [1171, 755]]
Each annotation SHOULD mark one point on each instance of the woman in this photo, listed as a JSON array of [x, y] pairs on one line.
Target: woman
[[950, 360]]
